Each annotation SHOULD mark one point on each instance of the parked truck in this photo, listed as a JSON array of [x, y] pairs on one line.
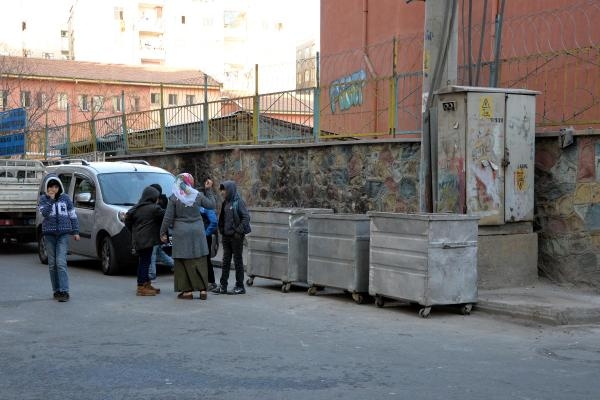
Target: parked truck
[[19, 184]]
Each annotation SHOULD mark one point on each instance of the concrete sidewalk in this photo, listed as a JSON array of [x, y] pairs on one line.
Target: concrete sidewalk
[[543, 302]]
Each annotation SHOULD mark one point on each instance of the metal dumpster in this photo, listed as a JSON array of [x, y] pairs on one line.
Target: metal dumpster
[[429, 259], [277, 246], [338, 253]]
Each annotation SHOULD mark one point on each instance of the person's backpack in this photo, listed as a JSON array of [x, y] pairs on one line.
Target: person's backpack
[[237, 217]]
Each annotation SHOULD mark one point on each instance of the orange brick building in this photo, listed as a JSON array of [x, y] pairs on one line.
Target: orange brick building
[[55, 92]]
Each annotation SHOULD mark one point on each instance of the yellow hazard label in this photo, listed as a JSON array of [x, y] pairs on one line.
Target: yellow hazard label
[[521, 179], [485, 107]]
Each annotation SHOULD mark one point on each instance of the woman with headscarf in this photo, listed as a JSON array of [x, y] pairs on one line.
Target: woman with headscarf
[[189, 241]]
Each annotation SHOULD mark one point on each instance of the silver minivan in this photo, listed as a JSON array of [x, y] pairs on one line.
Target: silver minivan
[[99, 191]]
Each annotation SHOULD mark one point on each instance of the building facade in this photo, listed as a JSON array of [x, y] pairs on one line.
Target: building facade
[[57, 92], [224, 38]]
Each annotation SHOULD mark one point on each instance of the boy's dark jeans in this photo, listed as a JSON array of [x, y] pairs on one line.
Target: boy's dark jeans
[[145, 256], [233, 245], [211, 271]]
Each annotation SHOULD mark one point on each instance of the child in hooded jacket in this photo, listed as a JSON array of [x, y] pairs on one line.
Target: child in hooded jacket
[[234, 224], [60, 221], [143, 221]]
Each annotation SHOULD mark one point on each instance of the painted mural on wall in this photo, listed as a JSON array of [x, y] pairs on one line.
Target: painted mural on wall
[[567, 188], [347, 92]]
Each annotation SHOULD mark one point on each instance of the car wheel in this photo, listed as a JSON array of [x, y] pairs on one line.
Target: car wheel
[[108, 257], [43, 256]]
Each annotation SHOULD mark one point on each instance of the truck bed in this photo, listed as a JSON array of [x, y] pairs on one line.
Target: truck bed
[[19, 186]]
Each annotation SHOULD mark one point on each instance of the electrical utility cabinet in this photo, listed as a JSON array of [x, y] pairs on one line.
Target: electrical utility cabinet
[[485, 153]]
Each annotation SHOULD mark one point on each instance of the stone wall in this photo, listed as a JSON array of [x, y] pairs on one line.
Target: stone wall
[[355, 177], [567, 189], [349, 178]]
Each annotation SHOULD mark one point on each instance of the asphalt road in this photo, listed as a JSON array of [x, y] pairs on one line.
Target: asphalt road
[[106, 343]]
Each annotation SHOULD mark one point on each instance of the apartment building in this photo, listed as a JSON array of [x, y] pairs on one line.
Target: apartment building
[[224, 38], [55, 92]]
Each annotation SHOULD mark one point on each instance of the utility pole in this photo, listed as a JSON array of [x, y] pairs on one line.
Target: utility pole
[[439, 69]]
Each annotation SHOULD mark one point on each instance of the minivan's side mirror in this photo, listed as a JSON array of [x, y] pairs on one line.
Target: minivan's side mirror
[[83, 197]]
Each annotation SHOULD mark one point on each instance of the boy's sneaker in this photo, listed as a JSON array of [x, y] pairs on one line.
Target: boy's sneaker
[[211, 287], [239, 290], [63, 297], [56, 295], [220, 290]]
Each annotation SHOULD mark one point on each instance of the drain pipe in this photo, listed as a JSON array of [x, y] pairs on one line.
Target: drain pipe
[[367, 60]]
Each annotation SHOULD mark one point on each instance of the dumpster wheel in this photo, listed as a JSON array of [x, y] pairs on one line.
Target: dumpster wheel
[[424, 312], [312, 290], [250, 281], [379, 300], [286, 286], [358, 298], [465, 309]]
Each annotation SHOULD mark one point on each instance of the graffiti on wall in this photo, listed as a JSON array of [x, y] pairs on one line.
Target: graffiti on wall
[[347, 92], [347, 179]]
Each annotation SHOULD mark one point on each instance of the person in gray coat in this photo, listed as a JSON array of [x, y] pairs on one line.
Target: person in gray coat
[[189, 241]]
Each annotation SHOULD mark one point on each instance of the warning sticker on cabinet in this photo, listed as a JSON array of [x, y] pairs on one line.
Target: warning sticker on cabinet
[[521, 178], [485, 107]]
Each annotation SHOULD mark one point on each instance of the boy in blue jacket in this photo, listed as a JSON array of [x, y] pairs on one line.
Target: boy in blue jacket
[[209, 217], [59, 222]]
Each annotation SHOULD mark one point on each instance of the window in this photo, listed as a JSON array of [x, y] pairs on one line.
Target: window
[[62, 101], [85, 193], [190, 99], [117, 104], [306, 76], [83, 102], [3, 99], [183, 19], [172, 99], [42, 100], [119, 13], [155, 98], [136, 104], [98, 103], [63, 33], [26, 99], [66, 180]]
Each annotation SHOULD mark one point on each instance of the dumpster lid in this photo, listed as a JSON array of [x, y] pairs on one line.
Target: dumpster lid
[[425, 216]]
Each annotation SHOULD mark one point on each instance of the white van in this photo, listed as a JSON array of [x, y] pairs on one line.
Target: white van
[[99, 191]]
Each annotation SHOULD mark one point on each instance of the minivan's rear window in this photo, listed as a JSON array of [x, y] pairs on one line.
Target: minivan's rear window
[[125, 188]]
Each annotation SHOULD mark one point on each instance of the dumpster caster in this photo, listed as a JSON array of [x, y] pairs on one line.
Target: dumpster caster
[[358, 298], [379, 300], [250, 281], [312, 290], [465, 309], [286, 287], [424, 312]]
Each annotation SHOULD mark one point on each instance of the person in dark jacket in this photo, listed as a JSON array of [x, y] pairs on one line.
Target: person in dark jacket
[[59, 222], [158, 254], [143, 221], [234, 224]]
